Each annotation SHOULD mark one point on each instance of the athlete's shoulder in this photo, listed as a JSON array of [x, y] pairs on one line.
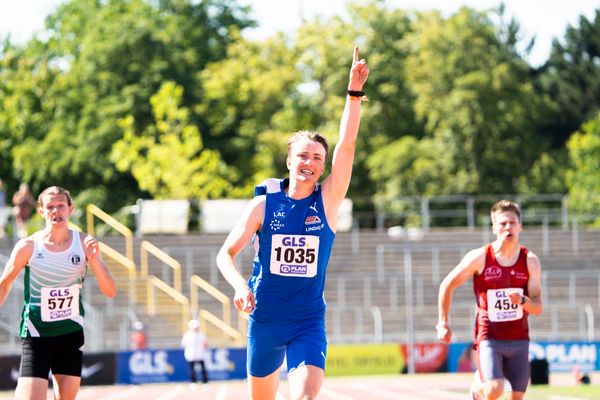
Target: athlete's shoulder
[[26, 244], [269, 186], [477, 253], [533, 260]]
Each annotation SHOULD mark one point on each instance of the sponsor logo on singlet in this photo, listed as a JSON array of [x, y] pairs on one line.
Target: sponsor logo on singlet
[[74, 258], [492, 272], [311, 220]]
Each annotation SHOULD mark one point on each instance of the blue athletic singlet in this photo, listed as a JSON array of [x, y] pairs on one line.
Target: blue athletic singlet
[[293, 249]]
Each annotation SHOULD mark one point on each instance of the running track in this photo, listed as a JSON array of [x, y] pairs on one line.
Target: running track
[[414, 387]]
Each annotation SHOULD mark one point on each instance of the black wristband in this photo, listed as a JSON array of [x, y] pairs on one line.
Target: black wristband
[[355, 93], [523, 300]]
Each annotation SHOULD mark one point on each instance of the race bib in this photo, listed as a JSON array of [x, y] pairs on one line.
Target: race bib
[[294, 255], [60, 303], [500, 308]]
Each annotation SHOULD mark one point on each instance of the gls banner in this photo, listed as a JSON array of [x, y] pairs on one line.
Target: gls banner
[[153, 366], [561, 356]]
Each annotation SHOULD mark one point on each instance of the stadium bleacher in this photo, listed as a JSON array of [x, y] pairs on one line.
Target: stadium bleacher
[[367, 288]]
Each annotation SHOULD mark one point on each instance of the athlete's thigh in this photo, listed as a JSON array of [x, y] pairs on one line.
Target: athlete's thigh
[[66, 386], [516, 364], [36, 354], [266, 348], [308, 345], [490, 361], [31, 388], [305, 382], [68, 356]]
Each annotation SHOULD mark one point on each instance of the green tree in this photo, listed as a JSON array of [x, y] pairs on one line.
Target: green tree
[[168, 159], [242, 96], [475, 96], [105, 61], [571, 77], [547, 174], [583, 178]]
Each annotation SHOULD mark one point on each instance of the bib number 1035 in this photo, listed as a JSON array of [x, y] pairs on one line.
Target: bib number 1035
[[294, 255]]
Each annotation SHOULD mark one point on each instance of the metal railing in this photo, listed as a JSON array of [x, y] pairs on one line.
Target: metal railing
[[206, 316], [148, 248], [124, 262], [92, 210], [153, 284], [196, 282]]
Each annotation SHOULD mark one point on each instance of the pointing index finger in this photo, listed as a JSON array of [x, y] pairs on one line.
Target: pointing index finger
[[355, 54]]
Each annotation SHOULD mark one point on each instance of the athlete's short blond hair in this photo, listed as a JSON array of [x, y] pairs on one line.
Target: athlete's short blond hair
[[506, 205], [53, 191]]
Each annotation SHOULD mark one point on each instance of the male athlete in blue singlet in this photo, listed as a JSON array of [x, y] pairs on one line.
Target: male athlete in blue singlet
[[294, 220], [55, 261]]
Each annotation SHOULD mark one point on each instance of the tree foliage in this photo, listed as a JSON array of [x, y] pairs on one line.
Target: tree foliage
[[583, 179], [123, 99], [168, 159]]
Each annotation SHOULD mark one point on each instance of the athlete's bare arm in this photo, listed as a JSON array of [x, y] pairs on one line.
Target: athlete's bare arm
[[336, 184], [238, 238], [106, 283], [472, 263], [18, 260], [533, 301]]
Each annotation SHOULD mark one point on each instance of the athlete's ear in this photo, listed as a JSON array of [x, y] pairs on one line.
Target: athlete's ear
[[288, 162]]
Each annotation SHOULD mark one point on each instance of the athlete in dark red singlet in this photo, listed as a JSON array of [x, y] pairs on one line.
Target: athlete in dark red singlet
[[507, 285]]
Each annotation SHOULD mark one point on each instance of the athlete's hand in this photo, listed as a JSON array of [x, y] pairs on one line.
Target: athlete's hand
[[444, 333], [515, 297], [244, 300], [91, 247], [358, 73]]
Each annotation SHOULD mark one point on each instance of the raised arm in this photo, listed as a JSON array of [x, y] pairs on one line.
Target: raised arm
[[336, 184], [238, 238]]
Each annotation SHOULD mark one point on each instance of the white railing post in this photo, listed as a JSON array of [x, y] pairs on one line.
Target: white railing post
[[380, 262], [377, 325], [408, 295], [589, 312]]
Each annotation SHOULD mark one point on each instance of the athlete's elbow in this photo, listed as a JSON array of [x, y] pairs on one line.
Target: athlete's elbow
[[537, 310], [110, 292]]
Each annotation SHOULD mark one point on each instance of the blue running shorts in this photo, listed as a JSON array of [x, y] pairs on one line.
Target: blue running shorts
[[300, 342]]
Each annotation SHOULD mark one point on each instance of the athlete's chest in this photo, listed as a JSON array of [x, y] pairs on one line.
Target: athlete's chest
[[304, 217], [498, 276]]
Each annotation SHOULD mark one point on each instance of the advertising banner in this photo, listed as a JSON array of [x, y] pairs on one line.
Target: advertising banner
[[428, 357], [97, 369], [155, 366], [364, 359], [561, 356]]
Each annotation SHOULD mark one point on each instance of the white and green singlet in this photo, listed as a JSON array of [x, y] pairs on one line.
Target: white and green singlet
[[52, 295]]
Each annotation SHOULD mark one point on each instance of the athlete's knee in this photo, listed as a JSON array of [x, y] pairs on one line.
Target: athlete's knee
[[493, 389]]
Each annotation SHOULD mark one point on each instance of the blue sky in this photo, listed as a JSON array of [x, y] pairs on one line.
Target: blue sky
[[544, 19]]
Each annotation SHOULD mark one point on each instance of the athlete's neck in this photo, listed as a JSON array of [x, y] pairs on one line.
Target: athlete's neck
[[506, 251], [297, 190], [57, 239]]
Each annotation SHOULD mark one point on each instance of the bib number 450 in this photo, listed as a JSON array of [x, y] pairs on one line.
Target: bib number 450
[[504, 304]]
